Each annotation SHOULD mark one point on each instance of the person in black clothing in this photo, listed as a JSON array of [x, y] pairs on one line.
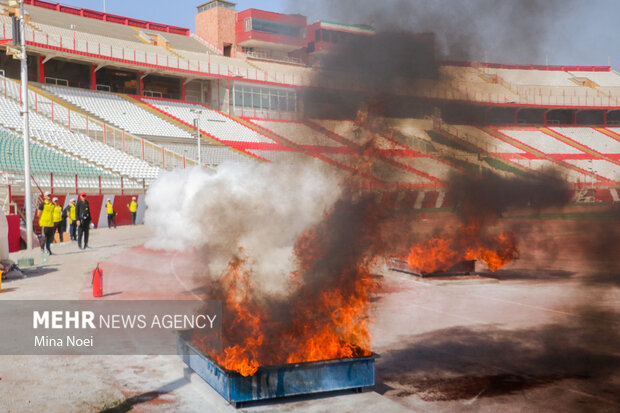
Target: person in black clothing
[[63, 223], [82, 215]]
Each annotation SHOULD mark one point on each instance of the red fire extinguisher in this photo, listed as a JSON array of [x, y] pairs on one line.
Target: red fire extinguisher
[[97, 282]]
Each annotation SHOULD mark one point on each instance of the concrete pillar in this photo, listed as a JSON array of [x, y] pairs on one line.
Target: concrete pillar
[[93, 77], [41, 69]]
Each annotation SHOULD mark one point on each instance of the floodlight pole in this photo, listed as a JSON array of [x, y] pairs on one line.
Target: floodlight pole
[[198, 112], [197, 125], [24, 84]]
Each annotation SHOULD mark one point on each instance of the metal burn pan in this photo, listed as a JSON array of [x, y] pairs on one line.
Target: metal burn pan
[[464, 267], [272, 382]]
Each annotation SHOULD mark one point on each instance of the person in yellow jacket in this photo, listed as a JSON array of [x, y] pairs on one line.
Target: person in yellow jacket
[[57, 214], [133, 208], [72, 220], [46, 222], [111, 214]]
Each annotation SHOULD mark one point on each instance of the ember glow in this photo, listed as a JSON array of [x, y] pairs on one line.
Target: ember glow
[[467, 242]]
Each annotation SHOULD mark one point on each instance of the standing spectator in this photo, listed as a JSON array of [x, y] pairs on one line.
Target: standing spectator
[[63, 222], [46, 222], [66, 213], [133, 208], [73, 226], [82, 212], [111, 214], [57, 218]]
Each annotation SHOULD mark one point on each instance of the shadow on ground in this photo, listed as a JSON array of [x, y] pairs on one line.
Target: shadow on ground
[[38, 271], [468, 363], [151, 397]]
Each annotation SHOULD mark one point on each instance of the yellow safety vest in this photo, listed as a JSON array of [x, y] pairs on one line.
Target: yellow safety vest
[[47, 215], [57, 213], [72, 213], [133, 207], [109, 208]]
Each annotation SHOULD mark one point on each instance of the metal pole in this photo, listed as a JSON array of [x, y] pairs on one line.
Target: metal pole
[[229, 103], [198, 137], [24, 80], [198, 112]]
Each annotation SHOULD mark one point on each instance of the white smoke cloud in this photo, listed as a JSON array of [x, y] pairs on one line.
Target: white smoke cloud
[[262, 208]]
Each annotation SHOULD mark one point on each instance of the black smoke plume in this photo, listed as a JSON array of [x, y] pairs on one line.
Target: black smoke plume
[[412, 38], [507, 31], [491, 195]]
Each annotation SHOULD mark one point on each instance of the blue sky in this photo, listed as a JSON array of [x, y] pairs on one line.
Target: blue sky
[[587, 34]]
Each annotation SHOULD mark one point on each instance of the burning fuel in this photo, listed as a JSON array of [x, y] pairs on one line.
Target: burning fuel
[[326, 315], [467, 242]]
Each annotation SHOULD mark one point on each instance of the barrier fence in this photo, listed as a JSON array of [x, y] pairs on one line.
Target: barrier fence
[[74, 183]]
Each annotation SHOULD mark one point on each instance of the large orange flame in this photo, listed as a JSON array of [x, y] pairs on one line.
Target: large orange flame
[[241, 357], [328, 322], [467, 242]]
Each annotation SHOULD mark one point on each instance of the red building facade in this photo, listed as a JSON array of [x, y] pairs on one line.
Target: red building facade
[[267, 35]]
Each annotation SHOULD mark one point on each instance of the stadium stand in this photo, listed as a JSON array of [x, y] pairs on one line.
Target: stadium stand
[[349, 133], [537, 139], [52, 168], [58, 36], [575, 176], [591, 138], [100, 32], [119, 112], [42, 105], [527, 85], [43, 158], [70, 118], [549, 155], [299, 133], [98, 153], [585, 167], [383, 171], [74, 143], [602, 79], [482, 140], [615, 131], [534, 77], [212, 155], [212, 122], [434, 167], [604, 168], [108, 29], [280, 156]]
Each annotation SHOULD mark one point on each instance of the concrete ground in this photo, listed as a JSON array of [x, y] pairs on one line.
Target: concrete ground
[[538, 336]]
